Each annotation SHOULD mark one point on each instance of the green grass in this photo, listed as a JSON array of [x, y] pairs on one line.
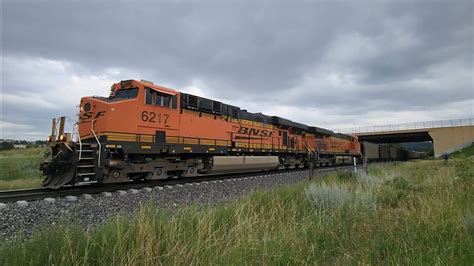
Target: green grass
[[463, 153], [20, 168], [409, 213]]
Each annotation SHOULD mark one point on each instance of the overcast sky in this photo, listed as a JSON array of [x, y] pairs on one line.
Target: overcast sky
[[332, 64]]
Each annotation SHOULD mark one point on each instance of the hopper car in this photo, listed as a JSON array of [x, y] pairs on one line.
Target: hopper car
[[384, 153]]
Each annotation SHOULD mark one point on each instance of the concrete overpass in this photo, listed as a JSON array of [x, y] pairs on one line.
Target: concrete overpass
[[447, 136]]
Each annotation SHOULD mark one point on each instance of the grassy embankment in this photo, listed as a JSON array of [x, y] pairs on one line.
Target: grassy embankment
[[19, 168], [409, 213], [464, 153]]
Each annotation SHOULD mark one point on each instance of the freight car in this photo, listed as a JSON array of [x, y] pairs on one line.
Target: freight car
[[143, 131], [402, 155], [393, 153], [370, 151], [383, 153]]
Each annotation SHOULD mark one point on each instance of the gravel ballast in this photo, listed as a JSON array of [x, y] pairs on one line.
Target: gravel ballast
[[21, 222]]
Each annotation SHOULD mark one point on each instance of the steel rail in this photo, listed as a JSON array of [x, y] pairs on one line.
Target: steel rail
[[41, 193]]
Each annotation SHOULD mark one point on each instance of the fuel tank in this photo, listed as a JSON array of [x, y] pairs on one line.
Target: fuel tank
[[226, 164]]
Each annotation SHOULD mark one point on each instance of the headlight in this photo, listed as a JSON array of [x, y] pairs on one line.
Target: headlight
[[124, 83]]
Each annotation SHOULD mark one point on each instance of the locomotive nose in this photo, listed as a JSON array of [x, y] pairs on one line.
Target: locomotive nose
[[90, 109]]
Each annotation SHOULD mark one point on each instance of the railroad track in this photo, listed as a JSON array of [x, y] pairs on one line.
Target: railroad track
[[41, 193]]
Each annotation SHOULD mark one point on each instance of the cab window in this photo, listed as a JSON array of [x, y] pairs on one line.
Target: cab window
[[162, 100], [153, 97], [125, 94]]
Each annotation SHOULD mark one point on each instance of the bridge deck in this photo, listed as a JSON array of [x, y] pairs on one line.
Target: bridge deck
[[447, 135], [411, 127]]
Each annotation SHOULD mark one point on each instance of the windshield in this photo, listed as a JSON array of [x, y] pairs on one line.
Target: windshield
[[125, 94]]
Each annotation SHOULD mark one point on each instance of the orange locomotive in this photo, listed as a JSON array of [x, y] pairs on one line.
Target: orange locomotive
[[145, 131]]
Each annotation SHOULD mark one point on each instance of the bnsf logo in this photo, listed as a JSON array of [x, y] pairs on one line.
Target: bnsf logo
[[88, 115], [255, 132]]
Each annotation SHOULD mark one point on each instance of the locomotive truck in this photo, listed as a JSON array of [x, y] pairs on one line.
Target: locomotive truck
[[143, 131]]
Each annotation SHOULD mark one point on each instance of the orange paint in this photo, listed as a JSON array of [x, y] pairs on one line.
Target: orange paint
[[134, 116]]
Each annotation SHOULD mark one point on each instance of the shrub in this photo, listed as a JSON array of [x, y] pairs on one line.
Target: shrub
[[364, 199], [369, 181], [330, 197], [327, 197]]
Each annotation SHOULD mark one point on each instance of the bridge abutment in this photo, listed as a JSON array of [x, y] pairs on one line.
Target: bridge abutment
[[451, 139]]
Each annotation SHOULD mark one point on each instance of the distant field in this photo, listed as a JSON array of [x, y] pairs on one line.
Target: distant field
[[20, 168], [413, 213]]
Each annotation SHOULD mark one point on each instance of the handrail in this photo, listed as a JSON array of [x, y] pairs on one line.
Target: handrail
[[309, 149], [98, 142], [408, 126], [76, 125]]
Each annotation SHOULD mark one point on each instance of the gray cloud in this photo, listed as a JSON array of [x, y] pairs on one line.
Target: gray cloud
[[327, 63]]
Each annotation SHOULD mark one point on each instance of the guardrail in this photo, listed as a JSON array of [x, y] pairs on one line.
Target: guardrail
[[408, 126]]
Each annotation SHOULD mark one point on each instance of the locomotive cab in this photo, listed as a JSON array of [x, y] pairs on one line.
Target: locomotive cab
[[132, 107], [133, 110]]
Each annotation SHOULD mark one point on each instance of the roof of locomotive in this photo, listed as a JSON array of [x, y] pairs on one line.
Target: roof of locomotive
[[125, 84], [322, 131], [153, 86], [243, 114]]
